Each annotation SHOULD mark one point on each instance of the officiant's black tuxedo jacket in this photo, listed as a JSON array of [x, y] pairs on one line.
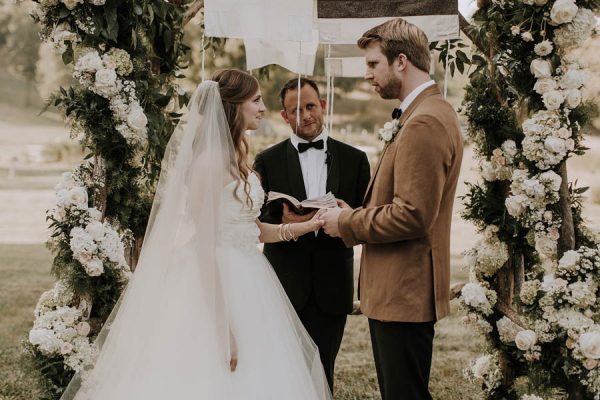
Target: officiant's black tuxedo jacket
[[321, 264]]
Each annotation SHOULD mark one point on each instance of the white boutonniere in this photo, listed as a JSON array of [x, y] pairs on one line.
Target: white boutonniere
[[390, 130]]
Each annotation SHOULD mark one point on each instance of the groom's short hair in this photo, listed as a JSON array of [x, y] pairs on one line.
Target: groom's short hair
[[292, 84], [398, 36]]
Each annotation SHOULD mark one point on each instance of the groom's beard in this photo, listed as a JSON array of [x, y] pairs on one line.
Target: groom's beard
[[392, 88]]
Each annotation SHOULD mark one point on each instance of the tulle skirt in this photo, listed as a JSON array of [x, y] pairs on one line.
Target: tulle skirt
[[166, 350]]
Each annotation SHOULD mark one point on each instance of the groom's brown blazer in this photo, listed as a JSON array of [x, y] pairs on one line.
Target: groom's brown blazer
[[406, 215]]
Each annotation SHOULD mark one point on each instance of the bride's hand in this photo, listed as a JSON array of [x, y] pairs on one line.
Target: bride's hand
[[315, 222]]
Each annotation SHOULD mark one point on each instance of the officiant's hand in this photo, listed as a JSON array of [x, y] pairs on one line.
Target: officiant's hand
[[329, 219], [289, 216]]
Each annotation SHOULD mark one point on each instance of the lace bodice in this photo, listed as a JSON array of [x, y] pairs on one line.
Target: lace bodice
[[238, 226]]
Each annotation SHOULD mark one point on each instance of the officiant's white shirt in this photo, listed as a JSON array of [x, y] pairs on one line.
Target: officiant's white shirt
[[312, 162], [413, 95]]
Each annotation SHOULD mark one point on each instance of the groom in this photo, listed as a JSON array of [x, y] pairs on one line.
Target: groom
[[404, 223], [317, 270]]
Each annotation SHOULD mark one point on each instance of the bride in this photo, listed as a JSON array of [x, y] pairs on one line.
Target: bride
[[204, 316]]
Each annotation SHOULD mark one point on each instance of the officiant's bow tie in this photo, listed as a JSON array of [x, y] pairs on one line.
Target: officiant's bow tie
[[396, 113], [317, 144]]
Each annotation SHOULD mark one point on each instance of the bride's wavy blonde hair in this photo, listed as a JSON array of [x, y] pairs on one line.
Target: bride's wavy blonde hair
[[235, 88]]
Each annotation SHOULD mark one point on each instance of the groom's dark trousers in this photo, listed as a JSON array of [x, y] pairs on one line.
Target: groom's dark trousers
[[402, 353], [316, 271]]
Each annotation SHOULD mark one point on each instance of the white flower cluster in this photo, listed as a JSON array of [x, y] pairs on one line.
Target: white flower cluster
[[63, 331], [507, 330], [103, 75], [488, 255], [547, 141], [499, 166], [579, 264], [475, 297], [530, 196], [529, 291], [390, 130], [485, 371], [62, 35], [59, 295], [480, 324], [95, 245], [577, 31]]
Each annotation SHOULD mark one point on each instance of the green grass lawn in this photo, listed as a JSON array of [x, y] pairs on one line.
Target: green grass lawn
[[24, 275]]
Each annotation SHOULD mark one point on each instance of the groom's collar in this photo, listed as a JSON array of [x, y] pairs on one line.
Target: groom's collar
[[428, 91], [413, 95]]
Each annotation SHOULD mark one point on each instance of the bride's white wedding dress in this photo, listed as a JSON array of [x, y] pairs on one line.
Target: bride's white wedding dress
[[201, 276]]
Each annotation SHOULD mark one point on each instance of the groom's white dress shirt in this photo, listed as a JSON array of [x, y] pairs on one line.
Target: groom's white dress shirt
[[312, 162], [413, 95]]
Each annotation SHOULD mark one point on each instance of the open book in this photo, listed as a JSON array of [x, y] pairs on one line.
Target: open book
[[276, 199]]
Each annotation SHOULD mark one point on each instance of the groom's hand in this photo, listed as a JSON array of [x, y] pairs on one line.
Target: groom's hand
[[330, 221], [289, 216]]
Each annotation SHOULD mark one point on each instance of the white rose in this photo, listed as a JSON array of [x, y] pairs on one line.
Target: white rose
[[573, 98], [564, 133], [78, 196], [71, 4], [482, 366], [516, 205], [106, 81], [545, 246], [563, 11], [574, 78], [66, 348], [569, 259], [553, 99], [570, 143], [555, 145], [525, 340], [96, 230], [136, 119], [543, 48], [514, 30], [94, 267], [544, 85], [83, 328], [90, 62], [541, 68], [589, 343], [527, 36], [95, 214], [473, 295]]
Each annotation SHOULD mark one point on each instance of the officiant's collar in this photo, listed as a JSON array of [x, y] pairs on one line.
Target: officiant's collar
[[295, 139], [413, 95]]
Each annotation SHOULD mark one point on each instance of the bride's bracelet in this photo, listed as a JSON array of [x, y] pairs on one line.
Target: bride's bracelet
[[285, 233]]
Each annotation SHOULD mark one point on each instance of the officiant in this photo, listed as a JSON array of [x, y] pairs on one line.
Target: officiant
[[316, 271]]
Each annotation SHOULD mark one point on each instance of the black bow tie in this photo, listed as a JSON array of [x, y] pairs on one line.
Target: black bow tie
[[318, 144], [396, 113]]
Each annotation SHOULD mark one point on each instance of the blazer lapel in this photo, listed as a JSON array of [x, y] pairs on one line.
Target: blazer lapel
[[430, 91], [295, 179], [333, 168]]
